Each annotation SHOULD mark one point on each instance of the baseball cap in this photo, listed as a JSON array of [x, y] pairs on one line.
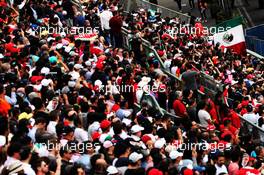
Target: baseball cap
[[45, 70], [96, 135], [155, 171], [145, 138], [175, 154], [107, 144], [46, 82], [78, 66], [111, 170], [136, 128], [53, 59], [134, 157], [160, 143], [59, 46], [105, 124], [187, 172]]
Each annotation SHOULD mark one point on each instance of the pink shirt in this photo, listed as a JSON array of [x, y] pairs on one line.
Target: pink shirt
[[233, 168]]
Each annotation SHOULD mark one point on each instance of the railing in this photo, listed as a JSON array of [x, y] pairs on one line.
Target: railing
[[133, 5], [248, 127], [210, 85], [255, 40]]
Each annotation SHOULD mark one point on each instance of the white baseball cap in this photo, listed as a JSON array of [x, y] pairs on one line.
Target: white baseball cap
[[46, 82], [175, 154], [78, 66], [136, 128], [45, 70], [111, 170], [59, 46], [134, 157], [160, 143], [107, 144]]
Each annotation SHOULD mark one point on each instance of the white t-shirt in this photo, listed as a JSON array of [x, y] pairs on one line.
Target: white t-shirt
[[80, 135], [221, 169], [51, 128], [203, 117], [28, 169]]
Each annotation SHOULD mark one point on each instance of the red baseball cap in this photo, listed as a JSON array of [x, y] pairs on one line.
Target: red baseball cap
[[115, 107], [34, 79], [96, 135], [105, 124], [155, 171], [145, 138], [187, 172]]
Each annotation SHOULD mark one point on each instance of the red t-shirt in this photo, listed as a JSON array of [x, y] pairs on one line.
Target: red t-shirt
[[10, 47], [248, 170], [179, 108]]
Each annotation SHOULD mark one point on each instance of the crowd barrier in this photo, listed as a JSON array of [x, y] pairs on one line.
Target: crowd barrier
[[133, 5]]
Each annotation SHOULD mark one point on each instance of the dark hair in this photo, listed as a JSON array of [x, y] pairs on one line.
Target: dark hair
[[25, 152], [37, 102], [54, 115], [13, 148]]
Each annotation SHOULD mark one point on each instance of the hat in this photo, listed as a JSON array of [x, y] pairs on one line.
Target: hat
[[71, 84], [45, 70], [160, 143], [53, 59], [136, 128], [50, 38], [88, 63], [145, 138], [96, 135], [126, 121], [100, 65], [24, 115], [107, 144], [32, 95], [104, 137], [187, 172], [105, 124], [111, 170], [78, 66], [59, 46], [155, 171], [134, 157], [46, 82], [34, 79], [175, 154]]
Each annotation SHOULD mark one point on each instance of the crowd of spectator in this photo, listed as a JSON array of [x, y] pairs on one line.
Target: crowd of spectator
[[67, 101]]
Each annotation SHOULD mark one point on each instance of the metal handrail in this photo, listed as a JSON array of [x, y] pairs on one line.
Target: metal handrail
[[162, 7], [146, 44], [255, 54]]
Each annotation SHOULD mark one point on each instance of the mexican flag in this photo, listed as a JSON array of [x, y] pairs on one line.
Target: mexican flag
[[231, 35]]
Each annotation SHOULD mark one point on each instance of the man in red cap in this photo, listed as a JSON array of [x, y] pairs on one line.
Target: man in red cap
[[105, 127]]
